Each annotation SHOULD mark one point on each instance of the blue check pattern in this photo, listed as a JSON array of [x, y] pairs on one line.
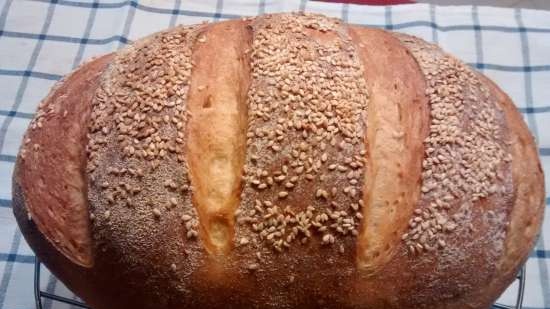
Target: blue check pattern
[[42, 40]]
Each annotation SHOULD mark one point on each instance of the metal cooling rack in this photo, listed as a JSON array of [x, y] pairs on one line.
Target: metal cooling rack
[[39, 294]]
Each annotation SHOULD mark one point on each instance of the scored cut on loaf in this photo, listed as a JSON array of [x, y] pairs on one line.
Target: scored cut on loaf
[[281, 161]]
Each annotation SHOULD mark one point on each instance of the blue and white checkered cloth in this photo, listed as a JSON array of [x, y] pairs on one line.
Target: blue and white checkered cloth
[[42, 40]]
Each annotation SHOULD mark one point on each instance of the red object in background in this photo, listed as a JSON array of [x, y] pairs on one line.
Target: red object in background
[[372, 2]]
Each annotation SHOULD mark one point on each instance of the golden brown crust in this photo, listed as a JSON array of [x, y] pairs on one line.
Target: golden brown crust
[[529, 195], [526, 217], [83, 280], [468, 232], [321, 106], [139, 188], [58, 204]]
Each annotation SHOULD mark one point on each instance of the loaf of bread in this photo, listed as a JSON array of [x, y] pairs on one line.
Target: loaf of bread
[[283, 161]]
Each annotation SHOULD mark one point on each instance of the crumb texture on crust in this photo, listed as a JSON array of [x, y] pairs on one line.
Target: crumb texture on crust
[[311, 164], [216, 138], [397, 124]]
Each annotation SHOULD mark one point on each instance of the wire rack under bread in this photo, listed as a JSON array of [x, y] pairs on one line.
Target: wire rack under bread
[[39, 294]]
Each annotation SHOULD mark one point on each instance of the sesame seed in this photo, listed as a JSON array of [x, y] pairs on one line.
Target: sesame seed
[[449, 226], [280, 178], [321, 193], [156, 213], [328, 239], [342, 168], [192, 234], [253, 266]]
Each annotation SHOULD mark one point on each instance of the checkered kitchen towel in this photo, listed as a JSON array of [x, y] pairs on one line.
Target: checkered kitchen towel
[[42, 40]]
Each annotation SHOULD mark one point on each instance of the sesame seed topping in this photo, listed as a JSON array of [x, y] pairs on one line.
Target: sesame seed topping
[[136, 133], [307, 102], [463, 151]]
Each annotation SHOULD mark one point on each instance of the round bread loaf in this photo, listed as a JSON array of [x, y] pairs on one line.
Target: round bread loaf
[[283, 161]]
